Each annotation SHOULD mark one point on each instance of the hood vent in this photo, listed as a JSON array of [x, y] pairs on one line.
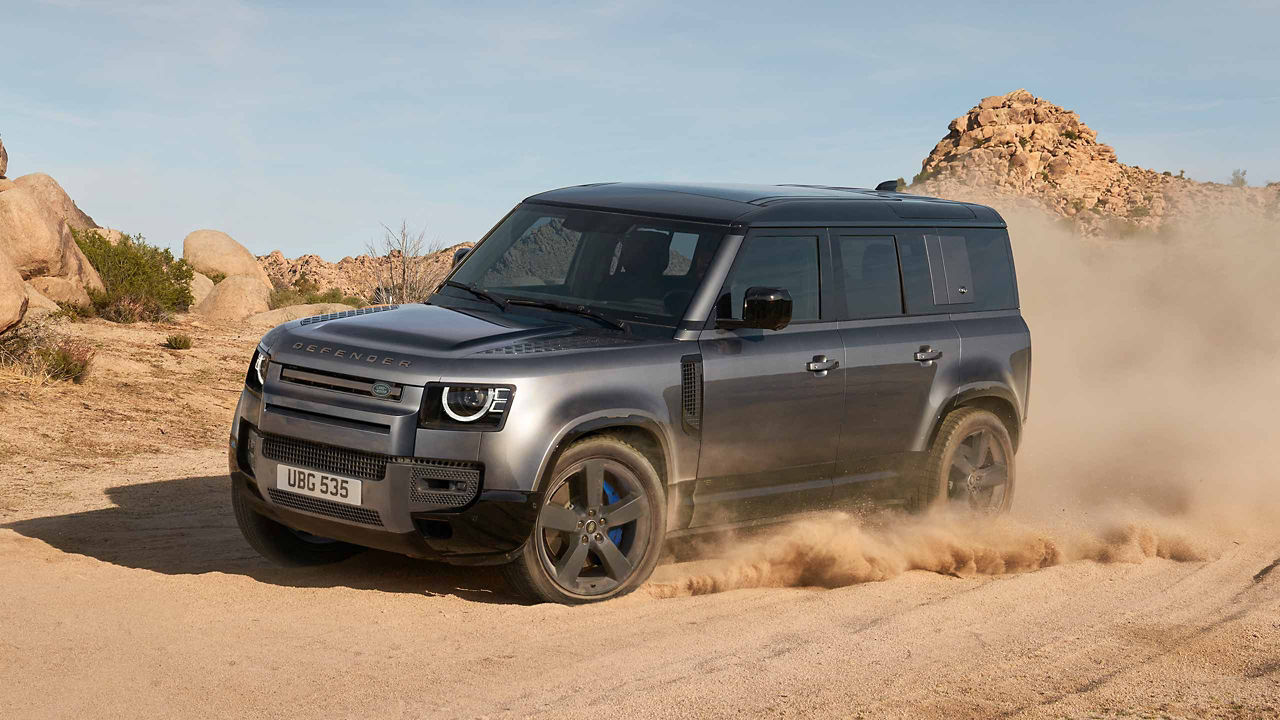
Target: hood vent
[[348, 313], [556, 344]]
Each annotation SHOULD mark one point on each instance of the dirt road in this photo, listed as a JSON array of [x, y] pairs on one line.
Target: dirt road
[[126, 590]]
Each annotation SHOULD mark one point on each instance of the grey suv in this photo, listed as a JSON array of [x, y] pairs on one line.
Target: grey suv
[[618, 364]]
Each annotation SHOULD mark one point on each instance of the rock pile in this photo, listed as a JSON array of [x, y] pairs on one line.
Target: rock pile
[[1021, 146], [352, 275], [36, 247]]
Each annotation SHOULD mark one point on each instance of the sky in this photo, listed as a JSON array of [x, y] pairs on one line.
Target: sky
[[305, 127]]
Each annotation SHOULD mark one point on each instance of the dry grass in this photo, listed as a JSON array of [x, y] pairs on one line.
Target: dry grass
[[180, 341], [39, 354]]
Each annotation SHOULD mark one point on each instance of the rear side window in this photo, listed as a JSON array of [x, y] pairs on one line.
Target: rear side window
[[956, 270], [777, 261], [871, 284]]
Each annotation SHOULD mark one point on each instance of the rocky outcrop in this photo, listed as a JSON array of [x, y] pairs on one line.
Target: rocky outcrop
[[201, 286], [4, 160], [1024, 147], [214, 253], [38, 304], [55, 200], [352, 275], [235, 298], [13, 294], [29, 236], [60, 290], [278, 316]]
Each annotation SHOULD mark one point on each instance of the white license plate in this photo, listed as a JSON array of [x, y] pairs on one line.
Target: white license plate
[[317, 484]]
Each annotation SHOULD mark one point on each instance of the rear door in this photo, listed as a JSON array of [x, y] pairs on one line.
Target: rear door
[[770, 424], [899, 342]]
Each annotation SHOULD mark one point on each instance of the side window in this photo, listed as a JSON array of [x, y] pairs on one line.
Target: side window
[[871, 284], [917, 283], [782, 261], [683, 247], [956, 270], [991, 267]]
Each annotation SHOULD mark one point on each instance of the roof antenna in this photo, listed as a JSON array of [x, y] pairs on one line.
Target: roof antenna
[[887, 186]]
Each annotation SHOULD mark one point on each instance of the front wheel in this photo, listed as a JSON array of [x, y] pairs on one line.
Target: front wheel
[[600, 528], [970, 465]]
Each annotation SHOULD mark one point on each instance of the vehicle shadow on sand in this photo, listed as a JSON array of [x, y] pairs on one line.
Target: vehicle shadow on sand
[[185, 526]]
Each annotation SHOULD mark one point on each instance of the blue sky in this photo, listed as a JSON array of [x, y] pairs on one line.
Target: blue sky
[[302, 127]]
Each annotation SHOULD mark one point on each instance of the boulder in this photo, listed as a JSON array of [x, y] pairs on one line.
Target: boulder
[[28, 234], [75, 265], [211, 251], [235, 298], [13, 295], [282, 315], [201, 286], [4, 159], [111, 236], [55, 200], [60, 290], [39, 304]]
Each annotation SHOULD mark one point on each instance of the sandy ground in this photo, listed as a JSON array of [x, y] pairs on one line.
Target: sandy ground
[[126, 591]]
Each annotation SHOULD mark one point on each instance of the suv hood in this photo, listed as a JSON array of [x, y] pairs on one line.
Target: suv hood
[[401, 343]]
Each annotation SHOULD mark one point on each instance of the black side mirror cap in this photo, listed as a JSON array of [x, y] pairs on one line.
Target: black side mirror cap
[[763, 308], [459, 254]]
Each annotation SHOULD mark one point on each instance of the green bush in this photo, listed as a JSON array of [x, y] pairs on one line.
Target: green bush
[[141, 281], [1070, 134], [216, 277], [178, 342], [1238, 178], [304, 291]]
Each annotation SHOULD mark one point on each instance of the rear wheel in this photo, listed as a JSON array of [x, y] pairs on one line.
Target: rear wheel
[[283, 545], [970, 465], [600, 529]]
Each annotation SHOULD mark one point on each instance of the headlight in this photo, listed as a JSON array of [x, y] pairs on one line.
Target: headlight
[[465, 407], [258, 366]]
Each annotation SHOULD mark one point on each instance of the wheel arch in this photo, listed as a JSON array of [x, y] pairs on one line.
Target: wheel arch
[[643, 432], [995, 398]]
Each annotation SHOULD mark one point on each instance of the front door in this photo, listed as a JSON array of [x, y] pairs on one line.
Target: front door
[[771, 423]]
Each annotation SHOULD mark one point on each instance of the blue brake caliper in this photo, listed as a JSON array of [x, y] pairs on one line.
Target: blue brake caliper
[[612, 496]]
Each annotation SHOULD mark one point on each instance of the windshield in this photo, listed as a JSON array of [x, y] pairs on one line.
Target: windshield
[[626, 266]]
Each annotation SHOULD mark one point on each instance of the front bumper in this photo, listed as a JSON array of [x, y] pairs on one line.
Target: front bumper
[[488, 530]]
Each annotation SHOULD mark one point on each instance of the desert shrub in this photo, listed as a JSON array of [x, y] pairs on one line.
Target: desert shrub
[[37, 352], [1024, 142], [1140, 212], [924, 176], [141, 281], [74, 312], [179, 341], [1070, 134], [1238, 178], [216, 277], [305, 291]]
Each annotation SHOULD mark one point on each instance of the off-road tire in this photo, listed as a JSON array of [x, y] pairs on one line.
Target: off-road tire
[[526, 574], [282, 545], [929, 488]]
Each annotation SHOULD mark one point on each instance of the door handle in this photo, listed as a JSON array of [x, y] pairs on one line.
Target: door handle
[[820, 365], [927, 354]]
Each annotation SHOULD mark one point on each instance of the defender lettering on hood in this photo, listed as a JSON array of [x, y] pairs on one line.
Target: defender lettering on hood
[[353, 355]]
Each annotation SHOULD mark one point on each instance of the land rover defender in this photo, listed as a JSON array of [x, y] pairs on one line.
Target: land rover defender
[[617, 364]]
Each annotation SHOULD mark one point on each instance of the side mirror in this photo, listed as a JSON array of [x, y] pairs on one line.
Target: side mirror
[[762, 308], [459, 254]]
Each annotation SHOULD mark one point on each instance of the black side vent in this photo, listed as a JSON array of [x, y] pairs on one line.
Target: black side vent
[[691, 392]]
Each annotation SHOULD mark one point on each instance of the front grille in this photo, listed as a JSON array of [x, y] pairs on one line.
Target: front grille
[[327, 458], [691, 391], [341, 383], [350, 513], [443, 483]]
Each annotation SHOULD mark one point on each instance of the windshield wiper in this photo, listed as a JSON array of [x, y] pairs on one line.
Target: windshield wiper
[[502, 304], [582, 310]]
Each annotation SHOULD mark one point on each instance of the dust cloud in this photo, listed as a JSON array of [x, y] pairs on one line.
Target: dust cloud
[[1151, 430]]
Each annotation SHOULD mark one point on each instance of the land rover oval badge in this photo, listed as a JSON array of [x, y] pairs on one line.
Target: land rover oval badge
[[381, 389]]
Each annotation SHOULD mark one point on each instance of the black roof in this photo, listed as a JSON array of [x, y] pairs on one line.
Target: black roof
[[772, 204]]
